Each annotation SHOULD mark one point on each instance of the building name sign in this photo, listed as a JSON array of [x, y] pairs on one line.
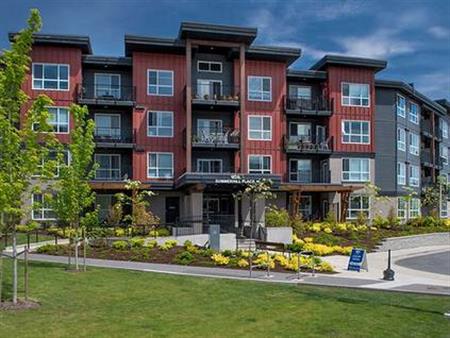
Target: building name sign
[[235, 179]]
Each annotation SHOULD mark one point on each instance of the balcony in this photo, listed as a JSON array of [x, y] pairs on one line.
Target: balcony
[[215, 95], [113, 138], [118, 95], [304, 145], [305, 177], [318, 106], [227, 138], [427, 159], [109, 174]]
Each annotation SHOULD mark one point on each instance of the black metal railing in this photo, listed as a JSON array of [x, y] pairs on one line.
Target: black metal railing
[[215, 91], [98, 92], [116, 135], [216, 136], [212, 167], [306, 177], [109, 174], [318, 103], [307, 145]]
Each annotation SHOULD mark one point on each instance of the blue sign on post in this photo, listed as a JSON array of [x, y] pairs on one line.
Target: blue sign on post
[[358, 260]]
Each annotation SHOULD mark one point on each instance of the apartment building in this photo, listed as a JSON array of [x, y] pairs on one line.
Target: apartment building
[[196, 117]]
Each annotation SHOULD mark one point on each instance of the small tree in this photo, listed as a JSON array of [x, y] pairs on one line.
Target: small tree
[[73, 195], [434, 194]]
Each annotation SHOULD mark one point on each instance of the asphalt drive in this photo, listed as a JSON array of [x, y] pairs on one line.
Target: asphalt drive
[[435, 263]]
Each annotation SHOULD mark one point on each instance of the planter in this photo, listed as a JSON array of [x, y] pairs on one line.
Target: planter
[[279, 235]]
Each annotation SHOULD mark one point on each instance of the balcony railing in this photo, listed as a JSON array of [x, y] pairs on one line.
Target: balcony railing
[[314, 106], [306, 177], [111, 135], [215, 93], [220, 137], [305, 145], [98, 93], [108, 174]]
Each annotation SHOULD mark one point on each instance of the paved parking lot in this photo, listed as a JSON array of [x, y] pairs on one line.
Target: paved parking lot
[[435, 263]]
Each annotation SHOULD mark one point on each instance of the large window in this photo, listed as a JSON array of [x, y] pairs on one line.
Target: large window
[[59, 160], [305, 206], [413, 111], [41, 208], [401, 106], [160, 82], [444, 153], [259, 88], [50, 76], [209, 89], [358, 204], [443, 126], [300, 92], [414, 176], [414, 209], [160, 165], [300, 171], [355, 132], [107, 85], [414, 144], [108, 167], [209, 66], [401, 139], [299, 131], [401, 208], [107, 125], [160, 124], [209, 165], [355, 170], [260, 128], [355, 94], [58, 119], [259, 164], [401, 173]]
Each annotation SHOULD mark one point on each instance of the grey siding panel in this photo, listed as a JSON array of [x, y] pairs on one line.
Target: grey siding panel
[[226, 76]]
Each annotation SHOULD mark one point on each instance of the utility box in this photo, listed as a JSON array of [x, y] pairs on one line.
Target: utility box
[[214, 236]]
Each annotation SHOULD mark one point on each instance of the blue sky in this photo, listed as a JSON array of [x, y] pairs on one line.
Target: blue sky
[[414, 36]]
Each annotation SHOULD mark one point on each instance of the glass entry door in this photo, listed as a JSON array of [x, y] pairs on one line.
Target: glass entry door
[[300, 131]]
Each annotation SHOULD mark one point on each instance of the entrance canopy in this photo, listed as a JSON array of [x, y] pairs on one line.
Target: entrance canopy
[[224, 179]]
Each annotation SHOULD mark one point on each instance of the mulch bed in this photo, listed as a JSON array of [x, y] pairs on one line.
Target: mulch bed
[[21, 305]]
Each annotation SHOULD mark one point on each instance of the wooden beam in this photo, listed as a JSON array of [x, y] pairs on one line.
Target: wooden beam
[[242, 117], [188, 106], [345, 195]]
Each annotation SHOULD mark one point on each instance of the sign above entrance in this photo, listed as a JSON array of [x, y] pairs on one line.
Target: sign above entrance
[[235, 179]]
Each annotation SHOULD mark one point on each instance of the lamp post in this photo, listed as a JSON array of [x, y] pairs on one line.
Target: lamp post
[[388, 274]]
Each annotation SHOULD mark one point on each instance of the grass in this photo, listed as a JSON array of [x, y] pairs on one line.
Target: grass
[[22, 239], [120, 303]]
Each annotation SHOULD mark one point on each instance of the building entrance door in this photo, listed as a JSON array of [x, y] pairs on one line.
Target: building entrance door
[[172, 209]]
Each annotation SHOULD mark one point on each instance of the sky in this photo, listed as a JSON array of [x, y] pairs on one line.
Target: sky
[[412, 35]]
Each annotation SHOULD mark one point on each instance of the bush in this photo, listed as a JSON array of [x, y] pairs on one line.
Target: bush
[[327, 239], [151, 244], [361, 218], [169, 244], [161, 232], [119, 232], [242, 263], [227, 253], [49, 249], [297, 224], [184, 258], [381, 222], [219, 259], [295, 247], [276, 217], [187, 243], [330, 218], [137, 242], [120, 245]]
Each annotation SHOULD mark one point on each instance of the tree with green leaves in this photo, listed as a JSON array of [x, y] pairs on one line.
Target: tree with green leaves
[[73, 197], [22, 149], [435, 194]]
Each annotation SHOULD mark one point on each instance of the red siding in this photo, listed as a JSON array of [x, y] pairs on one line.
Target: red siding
[[175, 103], [63, 55], [274, 148], [336, 76]]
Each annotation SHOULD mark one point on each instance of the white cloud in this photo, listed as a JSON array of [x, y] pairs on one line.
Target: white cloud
[[435, 85], [439, 32]]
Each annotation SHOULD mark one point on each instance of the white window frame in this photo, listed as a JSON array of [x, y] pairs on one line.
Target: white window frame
[[414, 181], [443, 126], [361, 135], [158, 168], [444, 153], [401, 144], [350, 209], [414, 118], [111, 134], [401, 208], [401, 173], [111, 170], [262, 132], [262, 78], [157, 127], [57, 125], [117, 90], [354, 97], [58, 164], [157, 82], [41, 210], [414, 212], [58, 80], [209, 160], [350, 172], [290, 172], [401, 111], [209, 63], [210, 94], [261, 160], [414, 149]]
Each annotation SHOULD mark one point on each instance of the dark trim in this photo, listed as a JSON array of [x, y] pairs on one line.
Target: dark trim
[[406, 88], [444, 103], [107, 60], [78, 41], [296, 74], [204, 31], [282, 54], [136, 43], [341, 154], [223, 179], [340, 60]]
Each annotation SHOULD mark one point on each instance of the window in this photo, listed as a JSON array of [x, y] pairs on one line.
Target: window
[[209, 129], [414, 209], [58, 119], [260, 128], [209, 165], [160, 165], [414, 144], [401, 139], [305, 206], [41, 208], [50, 76], [259, 164], [300, 92], [401, 173], [355, 170], [444, 153], [358, 204], [59, 162], [109, 167], [107, 85], [209, 66], [107, 125], [300, 171], [160, 124], [160, 82], [401, 208], [259, 88], [104, 203], [414, 176], [354, 94], [413, 111], [355, 132], [401, 106], [209, 89], [300, 131], [443, 126]]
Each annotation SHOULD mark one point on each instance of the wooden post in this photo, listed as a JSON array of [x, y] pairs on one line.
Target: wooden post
[[26, 274], [345, 195], [242, 98], [1, 276], [84, 250], [433, 148], [70, 254], [188, 106]]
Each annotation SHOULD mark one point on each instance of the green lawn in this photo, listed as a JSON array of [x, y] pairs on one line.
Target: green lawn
[[119, 303], [22, 239]]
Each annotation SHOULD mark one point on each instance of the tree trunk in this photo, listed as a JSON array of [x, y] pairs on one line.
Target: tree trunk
[[26, 275], [69, 257], [84, 252], [76, 252], [1, 277], [14, 257]]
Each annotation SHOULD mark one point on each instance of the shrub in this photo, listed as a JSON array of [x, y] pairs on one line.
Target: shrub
[[160, 232], [187, 243], [242, 263], [331, 217], [295, 247], [361, 218], [327, 239], [276, 217], [227, 253], [264, 260], [119, 232], [137, 242], [169, 244], [120, 245], [392, 218], [381, 222], [206, 252], [219, 259], [184, 258], [50, 249], [151, 244], [297, 224]]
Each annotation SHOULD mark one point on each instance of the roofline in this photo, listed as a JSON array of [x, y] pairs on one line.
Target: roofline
[[151, 42], [80, 41], [246, 34], [287, 54], [444, 103], [411, 91], [342, 60], [108, 60], [306, 74]]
